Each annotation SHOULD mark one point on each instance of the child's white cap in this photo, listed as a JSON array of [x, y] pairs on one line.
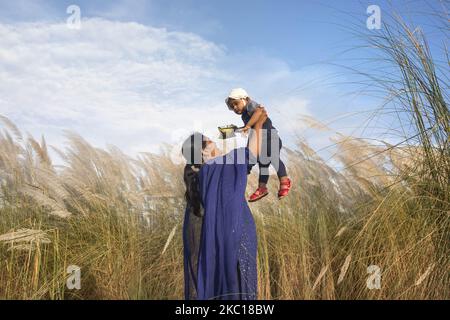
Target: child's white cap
[[237, 93]]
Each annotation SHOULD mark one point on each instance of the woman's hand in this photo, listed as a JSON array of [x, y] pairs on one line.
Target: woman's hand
[[255, 139]]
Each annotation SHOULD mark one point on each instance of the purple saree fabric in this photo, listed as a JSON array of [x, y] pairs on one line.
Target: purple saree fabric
[[220, 247]]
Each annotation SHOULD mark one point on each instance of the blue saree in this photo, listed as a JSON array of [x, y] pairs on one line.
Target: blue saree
[[220, 247]]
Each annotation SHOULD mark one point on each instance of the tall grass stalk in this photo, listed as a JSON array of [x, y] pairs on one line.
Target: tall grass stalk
[[118, 218]]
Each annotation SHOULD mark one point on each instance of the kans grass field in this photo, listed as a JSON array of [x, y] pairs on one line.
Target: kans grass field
[[119, 218]]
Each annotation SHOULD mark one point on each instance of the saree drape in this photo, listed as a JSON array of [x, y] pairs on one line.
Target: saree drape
[[220, 247]]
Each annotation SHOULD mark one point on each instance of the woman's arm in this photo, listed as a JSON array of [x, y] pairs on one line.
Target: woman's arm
[[255, 138]]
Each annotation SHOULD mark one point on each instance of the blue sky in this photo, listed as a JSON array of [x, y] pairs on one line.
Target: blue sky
[[192, 53], [299, 32]]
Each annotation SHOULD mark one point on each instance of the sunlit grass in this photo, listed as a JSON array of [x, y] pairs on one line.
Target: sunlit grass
[[119, 219]]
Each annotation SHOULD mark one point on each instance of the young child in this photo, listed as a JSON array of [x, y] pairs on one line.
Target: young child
[[239, 102]]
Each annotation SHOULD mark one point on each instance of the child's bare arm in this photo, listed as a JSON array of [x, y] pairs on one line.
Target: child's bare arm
[[255, 117]]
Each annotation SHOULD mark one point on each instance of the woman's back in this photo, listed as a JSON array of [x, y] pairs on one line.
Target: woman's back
[[227, 241]]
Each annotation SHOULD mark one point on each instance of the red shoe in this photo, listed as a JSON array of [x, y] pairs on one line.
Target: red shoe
[[285, 186], [258, 194]]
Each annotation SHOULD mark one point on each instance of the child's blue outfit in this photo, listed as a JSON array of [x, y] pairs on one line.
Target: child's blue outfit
[[268, 156]]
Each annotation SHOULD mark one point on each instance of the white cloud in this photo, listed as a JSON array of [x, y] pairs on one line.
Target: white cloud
[[128, 84]]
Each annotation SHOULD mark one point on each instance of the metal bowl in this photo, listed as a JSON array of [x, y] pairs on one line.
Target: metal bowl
[[228, 131]]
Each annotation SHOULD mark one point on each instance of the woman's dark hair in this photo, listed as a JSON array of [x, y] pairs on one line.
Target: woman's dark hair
[[192, 151]]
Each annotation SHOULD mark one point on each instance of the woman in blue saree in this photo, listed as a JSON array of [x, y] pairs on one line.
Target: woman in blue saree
[[219, 232]]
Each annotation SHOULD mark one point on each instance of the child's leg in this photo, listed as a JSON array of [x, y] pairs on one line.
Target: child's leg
[[249, 168], [281, 172], [264, 159], [263, 174], [250, 164], [261, 191], [275, 159]]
